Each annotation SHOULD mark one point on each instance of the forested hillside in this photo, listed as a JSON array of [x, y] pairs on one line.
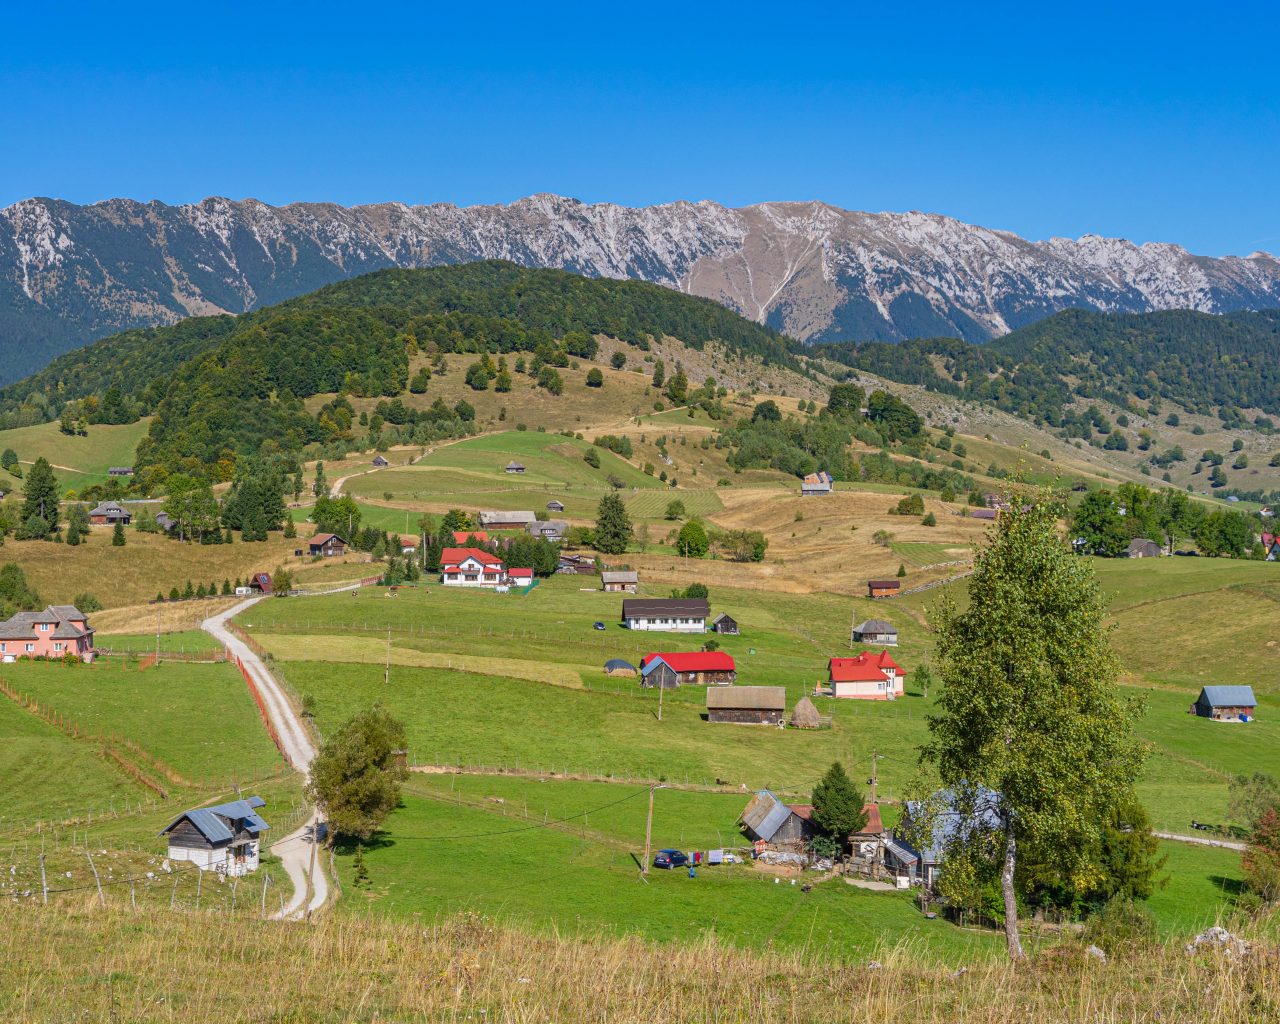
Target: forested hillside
[[224, 387], [1204, 362]]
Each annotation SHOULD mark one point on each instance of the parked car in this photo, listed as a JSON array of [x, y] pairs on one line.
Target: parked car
[[597, 625], [670, 859]]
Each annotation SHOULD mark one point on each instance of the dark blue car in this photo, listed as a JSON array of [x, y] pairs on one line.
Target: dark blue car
[[670, 859]]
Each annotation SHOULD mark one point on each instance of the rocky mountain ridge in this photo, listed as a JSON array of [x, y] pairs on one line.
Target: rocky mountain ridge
[[70, 274]]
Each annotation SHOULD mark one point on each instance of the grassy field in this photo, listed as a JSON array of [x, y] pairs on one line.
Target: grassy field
[[186, 641], [580, 875], [78, 461], [198, 718]]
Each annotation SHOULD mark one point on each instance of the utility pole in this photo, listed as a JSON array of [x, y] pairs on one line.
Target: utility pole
[[386, 675], [661, 689], [648, 836], [873, 780]]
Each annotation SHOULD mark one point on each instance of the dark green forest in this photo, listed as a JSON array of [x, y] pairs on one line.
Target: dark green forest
[[223, 388], [1201, 361]]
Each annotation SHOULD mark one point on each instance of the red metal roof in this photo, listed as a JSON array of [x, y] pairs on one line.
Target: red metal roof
[[452, 556], [866, 667], [693, 661], [520, 574], [461, 536]]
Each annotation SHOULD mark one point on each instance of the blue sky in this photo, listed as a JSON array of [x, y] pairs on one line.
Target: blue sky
[[1155, 122]]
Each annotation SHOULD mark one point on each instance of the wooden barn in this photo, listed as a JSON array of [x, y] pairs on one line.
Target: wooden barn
[[724, 624], [747, 705], [767, 821], [694, 668], [225, 838], [1142, 547], [883, 588], [620, 581], [1226, 703], [380, 462]]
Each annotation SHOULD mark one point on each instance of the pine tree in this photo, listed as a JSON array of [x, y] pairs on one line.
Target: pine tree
[[117, 535], [226, 588], [839, 808], [613, 525], [40, 495], [290, 529], [321, 487]]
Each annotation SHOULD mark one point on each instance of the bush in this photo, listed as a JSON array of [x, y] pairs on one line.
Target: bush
[[1121, 926], [929, 520], [87, 603], [911, 505]]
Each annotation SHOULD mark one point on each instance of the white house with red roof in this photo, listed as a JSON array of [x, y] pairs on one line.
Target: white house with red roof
[[519, 577], [688, 668], [867, 676], [471, 567]]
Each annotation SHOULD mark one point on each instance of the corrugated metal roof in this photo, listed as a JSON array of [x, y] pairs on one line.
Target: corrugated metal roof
[[618, 663], [1229, 696], [620, 576], [765, 814], [208, 820], [875, 626], [666, 607]]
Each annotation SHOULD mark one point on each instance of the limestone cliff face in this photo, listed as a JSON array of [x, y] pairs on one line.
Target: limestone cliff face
[[70, 274]]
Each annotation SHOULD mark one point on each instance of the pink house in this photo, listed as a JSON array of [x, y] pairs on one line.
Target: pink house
[[59, 630]]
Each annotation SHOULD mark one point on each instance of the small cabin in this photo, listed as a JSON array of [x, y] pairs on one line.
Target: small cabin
[[514, 467], [694, 668], [725, 625], [555, 506], [226, 838], [120, 471], [989, 514], [1141, 547], [260, 583], [747, 705], [883, 588], [667, 614], [380, 462], [767, 821], [326, 545], [816, 484], [621, 581], [876, 631], [1226, 704]]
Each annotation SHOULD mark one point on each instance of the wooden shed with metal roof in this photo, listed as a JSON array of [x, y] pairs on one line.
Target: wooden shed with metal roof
[[747, 705]]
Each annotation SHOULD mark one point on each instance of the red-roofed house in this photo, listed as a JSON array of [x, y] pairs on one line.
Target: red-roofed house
[[470, 567], [868, 676], [694, 668], [478, 536], [520, 577]]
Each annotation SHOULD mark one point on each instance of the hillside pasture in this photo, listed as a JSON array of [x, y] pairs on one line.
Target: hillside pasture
[[148, 564], [78, 461]]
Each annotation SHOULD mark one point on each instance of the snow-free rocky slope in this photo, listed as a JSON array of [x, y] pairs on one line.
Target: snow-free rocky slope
[[70, 274]]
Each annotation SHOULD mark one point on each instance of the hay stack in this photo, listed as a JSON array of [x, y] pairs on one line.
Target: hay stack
[[805, 715]]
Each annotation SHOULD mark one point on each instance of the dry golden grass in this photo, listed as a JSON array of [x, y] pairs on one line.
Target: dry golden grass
[[80, 962], [372, 651], [146, 565], [829, 549], [170, 617]]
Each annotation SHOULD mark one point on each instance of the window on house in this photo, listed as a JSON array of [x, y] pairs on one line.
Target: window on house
[[44, 627], [57, 647], [30, 648]]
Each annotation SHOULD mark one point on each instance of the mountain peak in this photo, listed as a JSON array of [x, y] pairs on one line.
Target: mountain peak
[[70, 274]]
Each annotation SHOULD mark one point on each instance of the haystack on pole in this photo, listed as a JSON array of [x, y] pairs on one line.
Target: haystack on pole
[[805, 715]]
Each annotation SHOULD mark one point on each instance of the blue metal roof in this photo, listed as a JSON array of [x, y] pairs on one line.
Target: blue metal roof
[[765, 814], [208, 820], [951, 823], [1229, 696]]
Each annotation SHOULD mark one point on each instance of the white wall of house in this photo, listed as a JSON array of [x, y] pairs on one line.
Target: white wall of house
[[885, 689], [221, 860], [672, 625], [473, 574]]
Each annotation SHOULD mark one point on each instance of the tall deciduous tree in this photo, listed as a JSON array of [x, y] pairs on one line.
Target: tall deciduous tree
[[692, 540], [40, 494], [1029, 710], [356, 776], [613, 525]]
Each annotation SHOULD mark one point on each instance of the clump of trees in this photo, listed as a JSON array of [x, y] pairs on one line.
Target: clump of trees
[[1105, 521], [356, 775]]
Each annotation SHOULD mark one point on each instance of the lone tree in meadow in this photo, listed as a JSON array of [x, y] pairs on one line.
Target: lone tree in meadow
[[692, 540], [1031, 739], [356, 774], [839, 808], [117, 535], [613, 525]]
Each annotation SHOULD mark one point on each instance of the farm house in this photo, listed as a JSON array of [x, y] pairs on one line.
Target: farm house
[[225, 838]]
